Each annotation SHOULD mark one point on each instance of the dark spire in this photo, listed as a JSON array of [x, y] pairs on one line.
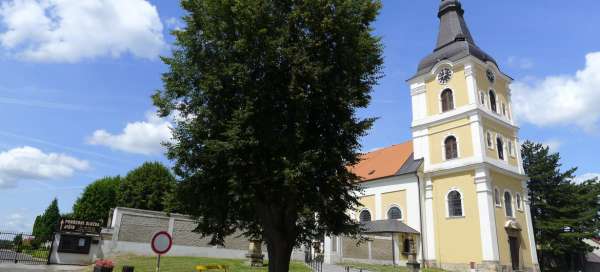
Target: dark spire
[[454, 38], [452, 24]]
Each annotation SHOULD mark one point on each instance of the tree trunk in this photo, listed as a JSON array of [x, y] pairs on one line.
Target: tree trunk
[[280, 252]]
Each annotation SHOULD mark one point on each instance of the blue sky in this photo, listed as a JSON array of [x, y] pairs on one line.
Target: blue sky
[[77, 76]]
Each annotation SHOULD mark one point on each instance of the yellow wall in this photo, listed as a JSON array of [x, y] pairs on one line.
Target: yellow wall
[[461, 128], [500, 87], [457, 84], [366, 202], [390, 199], [503, 182], [495, 129], [458, 240]]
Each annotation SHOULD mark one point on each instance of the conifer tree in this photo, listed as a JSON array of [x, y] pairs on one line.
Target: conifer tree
[[46, 224], [563, 213]]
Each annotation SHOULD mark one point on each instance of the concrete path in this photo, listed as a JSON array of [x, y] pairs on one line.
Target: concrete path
[[11, 267]]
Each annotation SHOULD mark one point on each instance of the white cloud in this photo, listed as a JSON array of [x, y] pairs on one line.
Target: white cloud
[[29, 163], [562, 100], [174, 23], [521, 63], [72, 30], [553, 144], [144, 137], [585, 177], [17, 222]]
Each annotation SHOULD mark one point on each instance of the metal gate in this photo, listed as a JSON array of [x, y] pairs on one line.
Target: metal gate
[[23, 248]]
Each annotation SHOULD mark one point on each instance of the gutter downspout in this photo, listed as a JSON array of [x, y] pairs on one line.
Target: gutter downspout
[[421, 218]]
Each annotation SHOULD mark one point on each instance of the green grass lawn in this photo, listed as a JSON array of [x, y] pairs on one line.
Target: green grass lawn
[[185, 264], [384, 268]]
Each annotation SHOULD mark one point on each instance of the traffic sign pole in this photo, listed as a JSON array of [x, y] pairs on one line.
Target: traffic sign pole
[[161, 243]]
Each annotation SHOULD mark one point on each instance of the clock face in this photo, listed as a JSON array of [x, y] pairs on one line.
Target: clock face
[[490, 75], [444, 76]]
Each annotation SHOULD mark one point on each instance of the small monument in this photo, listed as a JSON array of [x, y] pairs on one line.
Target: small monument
[[255, 256], [412, 264]]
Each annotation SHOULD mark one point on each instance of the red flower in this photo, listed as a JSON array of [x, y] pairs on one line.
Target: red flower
[[105, 263]]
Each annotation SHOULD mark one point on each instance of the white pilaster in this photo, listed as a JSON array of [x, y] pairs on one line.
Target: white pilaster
[[378, 208], [527, 208], [429, 234], [487, 219], [471, 82], [478, 137]]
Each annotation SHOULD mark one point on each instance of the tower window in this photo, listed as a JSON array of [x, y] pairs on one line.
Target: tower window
[[451, 148], [519, 203], [455, 204], [500, 146], [493, 102], [365, 216], [447, 100], [394, 213], [490, 142], [497, 198], [511, 148], [503, 109], [482, 98], [508, 204]]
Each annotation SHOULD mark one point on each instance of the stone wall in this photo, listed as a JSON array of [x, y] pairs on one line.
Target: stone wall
[[140, 228]]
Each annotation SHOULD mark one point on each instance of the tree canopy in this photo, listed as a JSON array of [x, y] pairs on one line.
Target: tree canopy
[[148, 187], [46, 224], [563, 213], [265, 95], [97, 200]]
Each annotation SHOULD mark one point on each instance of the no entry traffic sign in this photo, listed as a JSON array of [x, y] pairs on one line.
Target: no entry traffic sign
[[161, 242]]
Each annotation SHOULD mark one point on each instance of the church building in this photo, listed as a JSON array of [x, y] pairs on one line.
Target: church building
[[457, 192]]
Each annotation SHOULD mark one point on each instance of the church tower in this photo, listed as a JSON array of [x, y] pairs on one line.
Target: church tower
[[476, 210]]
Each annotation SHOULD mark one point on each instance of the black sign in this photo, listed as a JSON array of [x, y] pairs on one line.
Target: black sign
[[79, 226], [76, 244]]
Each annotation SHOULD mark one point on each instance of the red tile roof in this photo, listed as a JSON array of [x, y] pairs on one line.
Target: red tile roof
[[382, 163]]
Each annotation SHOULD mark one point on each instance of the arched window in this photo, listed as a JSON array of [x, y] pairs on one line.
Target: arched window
[[493, 102], [451, 148], [489, 140], [394, 213], [482, 97], [519, 207], [454, 204], [508, 204], [447, 100], [365, 216], [500, 146], [497, 197]]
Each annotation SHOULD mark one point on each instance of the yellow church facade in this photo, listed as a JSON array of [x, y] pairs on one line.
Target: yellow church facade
[[458, 187]]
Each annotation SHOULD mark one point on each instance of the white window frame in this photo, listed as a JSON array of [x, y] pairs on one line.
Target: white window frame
[[512, 202], [504, 153], [498, 204], [519, 202], [387, 212], [444, 147], [493, 137], [512, 148], [362, 210], [490, 101], [462, 204], [441, 108]]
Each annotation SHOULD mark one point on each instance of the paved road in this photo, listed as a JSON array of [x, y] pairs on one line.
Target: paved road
[[10, 256]]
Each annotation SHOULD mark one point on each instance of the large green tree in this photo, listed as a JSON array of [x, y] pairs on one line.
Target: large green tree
[[148, 187], [265, 94], [97, 200], [563, 213], [46, 224]]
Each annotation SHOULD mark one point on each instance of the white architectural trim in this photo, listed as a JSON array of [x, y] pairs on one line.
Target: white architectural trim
[[532, 246], [440, 100], [487, 221], [471, 83], [394, 205], [458, 155], [512, 204], [462, 204], [378, 210], [429, 234]]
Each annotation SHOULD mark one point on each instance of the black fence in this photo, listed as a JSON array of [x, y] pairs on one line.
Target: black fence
[[23, 248], [314, 262]]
